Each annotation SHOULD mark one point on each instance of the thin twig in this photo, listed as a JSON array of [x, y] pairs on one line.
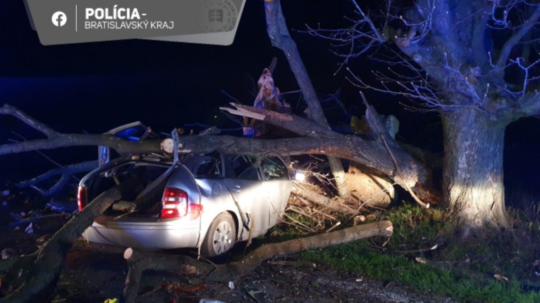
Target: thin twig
[[299, 223]]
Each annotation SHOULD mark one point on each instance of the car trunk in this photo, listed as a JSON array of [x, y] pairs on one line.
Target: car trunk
[[146, 195]]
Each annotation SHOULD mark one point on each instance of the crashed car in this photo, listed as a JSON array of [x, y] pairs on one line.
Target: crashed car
[[206, 201]]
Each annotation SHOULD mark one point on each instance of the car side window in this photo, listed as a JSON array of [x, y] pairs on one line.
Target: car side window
[[274, 169], [209, 167], [243, 167]]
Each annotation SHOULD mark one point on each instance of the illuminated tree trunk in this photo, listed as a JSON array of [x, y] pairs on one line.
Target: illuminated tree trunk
[[473, 169]]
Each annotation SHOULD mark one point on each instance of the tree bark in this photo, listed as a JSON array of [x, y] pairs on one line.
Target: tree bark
[[280, 38], [473, 187]]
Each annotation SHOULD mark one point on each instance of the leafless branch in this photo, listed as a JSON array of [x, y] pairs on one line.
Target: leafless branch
[[56, 139], [42, 128], [356, 39], [526, 70], [517, 36], [416, 89]]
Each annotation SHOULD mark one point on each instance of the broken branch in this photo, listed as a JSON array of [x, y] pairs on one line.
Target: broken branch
[[321, 200], [66, 172]]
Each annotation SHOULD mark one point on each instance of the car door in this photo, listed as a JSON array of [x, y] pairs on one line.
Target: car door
[[277, 187], [247, 189], [208, 175]]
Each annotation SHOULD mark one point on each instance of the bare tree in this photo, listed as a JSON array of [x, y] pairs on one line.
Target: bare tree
[[473, 61]]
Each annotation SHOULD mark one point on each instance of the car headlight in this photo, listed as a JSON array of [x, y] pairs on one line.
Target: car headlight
[[299, 176]]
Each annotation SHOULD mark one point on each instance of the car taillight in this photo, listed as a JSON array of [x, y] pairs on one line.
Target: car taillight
[[81, 197], [175, 205]]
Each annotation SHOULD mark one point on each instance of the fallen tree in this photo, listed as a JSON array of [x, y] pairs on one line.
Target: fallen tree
[[371, 153], [138, 261], [316, 140], [40, 270]]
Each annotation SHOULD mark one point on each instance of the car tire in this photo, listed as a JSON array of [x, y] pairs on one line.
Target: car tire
[[220, 238]]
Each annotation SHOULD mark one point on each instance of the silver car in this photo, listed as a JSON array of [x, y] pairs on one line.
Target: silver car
[[206, 201]]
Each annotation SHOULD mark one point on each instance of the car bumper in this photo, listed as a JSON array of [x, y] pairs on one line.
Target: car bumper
[[149, 234]]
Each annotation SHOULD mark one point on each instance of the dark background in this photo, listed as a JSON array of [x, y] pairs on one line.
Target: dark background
[[93, 87]]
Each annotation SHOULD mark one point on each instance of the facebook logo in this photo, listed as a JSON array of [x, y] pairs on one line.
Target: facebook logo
[[59, 19]]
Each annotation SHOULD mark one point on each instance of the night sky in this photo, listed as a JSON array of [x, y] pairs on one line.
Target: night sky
[[94, 87]]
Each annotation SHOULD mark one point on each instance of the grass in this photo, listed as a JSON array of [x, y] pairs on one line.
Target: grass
[[461, 270]]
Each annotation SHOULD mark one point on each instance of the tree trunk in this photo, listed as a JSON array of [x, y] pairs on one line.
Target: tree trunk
[[280, 38], [473, 170]]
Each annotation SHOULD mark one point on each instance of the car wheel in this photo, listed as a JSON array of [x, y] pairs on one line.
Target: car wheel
[[220, 238]]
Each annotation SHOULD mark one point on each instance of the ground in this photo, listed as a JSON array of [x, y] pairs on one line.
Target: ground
[[94, 273]]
